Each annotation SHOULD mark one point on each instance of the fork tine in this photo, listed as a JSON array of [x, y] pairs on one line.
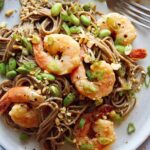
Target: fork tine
[[131, 13], [132, 19], [136, 10], [138, 5]]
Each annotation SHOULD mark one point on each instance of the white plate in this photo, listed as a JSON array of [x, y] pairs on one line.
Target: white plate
[[139, 116]]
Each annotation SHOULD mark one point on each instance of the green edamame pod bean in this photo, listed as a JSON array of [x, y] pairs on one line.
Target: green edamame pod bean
[[47, 76], [12, 64], [64, 16], [54, 90], [104, 33], [75, 29], [56, 9], [86, 21], [2, 68], [22, 70], [11, 74], [87, 7], [120, 49], [74, 20]]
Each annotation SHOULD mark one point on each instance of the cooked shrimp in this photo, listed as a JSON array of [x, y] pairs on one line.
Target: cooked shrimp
[[120, 26], [24, 116], [20, 95], [63, 54], [101, 86], [96, 134]]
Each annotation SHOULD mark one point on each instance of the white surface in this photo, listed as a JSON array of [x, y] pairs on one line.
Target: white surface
[[139, 116]]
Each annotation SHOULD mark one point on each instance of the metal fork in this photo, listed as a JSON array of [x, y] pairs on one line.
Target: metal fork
[[138, 13]]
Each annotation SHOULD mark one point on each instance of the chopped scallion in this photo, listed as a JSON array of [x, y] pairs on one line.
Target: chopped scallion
[[131, 128], [82, 122]]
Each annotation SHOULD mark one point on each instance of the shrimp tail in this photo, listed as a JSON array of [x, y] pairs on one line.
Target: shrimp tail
[[4, 104]]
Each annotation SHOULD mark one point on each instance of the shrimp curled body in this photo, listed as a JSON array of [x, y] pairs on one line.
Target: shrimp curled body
[[98, 88], [20, 113], [62, 54], [99, 135], [120, 26]]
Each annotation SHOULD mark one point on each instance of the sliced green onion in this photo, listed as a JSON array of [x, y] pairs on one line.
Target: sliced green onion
[[12, 63], [29, 65], [99, 102], [115, 117], [148, 70], [66, 28], [128, 49], [131, 128], [69, 99], [68, 140], [87, 147], [147, 81], [104, 140], [25, 52], [2, 68], [27, 44], [24, 137], [16, 37], [89, 74], [82, 122]]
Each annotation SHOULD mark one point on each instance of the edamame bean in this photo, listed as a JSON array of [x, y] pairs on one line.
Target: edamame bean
[[104, 33], [87, 7], [120, 49], [66, 28], [64, 16], [47, 76], [39, 77], [2, 68], [11, 74], [56, 9], [75, 29], [74, 20], [86, 21], [22, 70], [54, 91], [12, 64], [69, 99]]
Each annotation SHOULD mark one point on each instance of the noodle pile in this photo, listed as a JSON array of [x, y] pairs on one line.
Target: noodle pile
[[57, 121]]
